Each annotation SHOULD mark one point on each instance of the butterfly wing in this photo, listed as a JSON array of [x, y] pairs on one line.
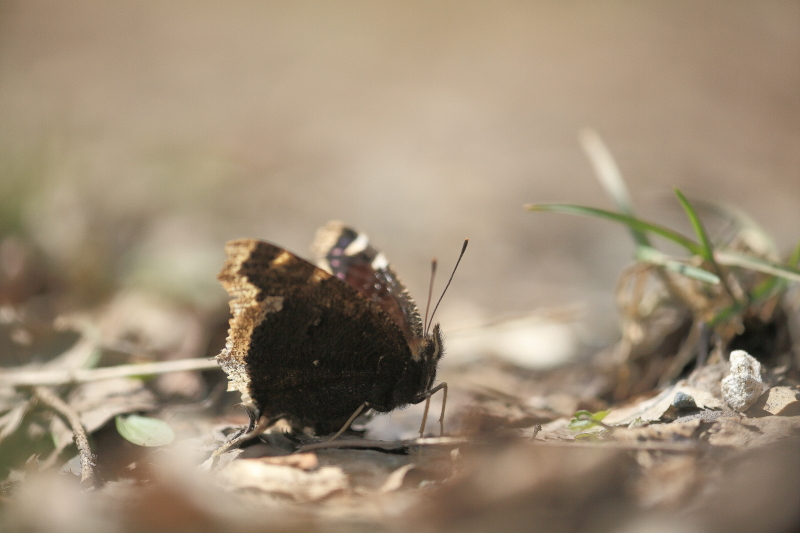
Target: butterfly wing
[[348, 255], [301, 343]]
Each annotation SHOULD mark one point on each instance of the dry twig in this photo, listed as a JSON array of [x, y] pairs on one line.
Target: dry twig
[[51, 399], [32, 378]]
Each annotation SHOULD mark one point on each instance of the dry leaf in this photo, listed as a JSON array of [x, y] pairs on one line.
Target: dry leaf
[[776, 401], [668, 483], [303, 461], [395, 479], [654, 408], [750, 432], [11, 420], [97, 402], [674, 432], [298, 484]]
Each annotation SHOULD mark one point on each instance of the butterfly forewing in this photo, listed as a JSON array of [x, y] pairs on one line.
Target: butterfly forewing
[[302, 343]]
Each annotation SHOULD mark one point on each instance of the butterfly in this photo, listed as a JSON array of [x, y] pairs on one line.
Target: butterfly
[[317, 344]]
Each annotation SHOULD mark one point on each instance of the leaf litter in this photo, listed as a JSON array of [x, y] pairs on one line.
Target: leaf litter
[[642, 435]]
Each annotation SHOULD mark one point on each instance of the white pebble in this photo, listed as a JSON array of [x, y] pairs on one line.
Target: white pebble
[[742, 387]]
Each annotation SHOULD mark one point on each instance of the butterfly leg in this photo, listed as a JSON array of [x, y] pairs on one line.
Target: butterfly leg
[[425, 416], [252, 417], [427, 397], [255, 427], [349, 421]]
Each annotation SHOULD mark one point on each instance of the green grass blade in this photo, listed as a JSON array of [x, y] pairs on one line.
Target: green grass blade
[[794, 259], [651, 255], [610, 177], [707, 250], [630, 221], [759, 265], [726, 313], [743, 224], [780, 275], [774, 283]]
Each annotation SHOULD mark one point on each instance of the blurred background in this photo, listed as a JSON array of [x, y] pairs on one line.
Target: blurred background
[[137, 137]]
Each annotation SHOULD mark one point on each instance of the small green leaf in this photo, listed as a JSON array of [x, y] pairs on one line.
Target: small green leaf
[[580, 425], [584, 420], [145, 431], [636, 423], [588, 437]]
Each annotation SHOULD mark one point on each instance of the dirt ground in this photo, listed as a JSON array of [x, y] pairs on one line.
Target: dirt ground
[[136, 138]]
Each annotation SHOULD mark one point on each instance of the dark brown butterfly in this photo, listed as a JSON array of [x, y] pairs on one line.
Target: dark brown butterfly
[[317, 344]]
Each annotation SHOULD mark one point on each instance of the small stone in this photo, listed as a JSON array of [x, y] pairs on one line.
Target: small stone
[[742, 387], [684, 402]]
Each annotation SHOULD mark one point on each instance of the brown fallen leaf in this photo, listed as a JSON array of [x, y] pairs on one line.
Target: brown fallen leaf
[[674, 432], [11, 420], [303, 461], [527, 487], [756, 490], [781, 401], [100, 401], [160, 329], [298, 484], [654, 408], [751, 432], [395, 479], [669, 482]]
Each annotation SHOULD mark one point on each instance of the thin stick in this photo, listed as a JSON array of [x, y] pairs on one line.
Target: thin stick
[[463, 249], [32, 378], [385, 445], [425, 323], [677, 447], [442, 386], [51, 399]]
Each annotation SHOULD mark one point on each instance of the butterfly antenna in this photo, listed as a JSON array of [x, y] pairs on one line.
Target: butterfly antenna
[[425, 323], [463, 249]]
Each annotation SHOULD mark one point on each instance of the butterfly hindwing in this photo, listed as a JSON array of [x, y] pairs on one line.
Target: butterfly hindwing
[[349, 256]]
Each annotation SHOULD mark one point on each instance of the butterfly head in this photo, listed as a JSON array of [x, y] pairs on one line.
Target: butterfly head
[[429, 350], [432, 347]]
